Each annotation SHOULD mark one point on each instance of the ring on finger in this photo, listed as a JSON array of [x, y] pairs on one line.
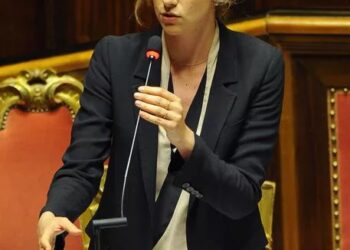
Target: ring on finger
[[167, 107]]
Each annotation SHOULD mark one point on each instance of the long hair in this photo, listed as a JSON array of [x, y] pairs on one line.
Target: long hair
[[144, 13]]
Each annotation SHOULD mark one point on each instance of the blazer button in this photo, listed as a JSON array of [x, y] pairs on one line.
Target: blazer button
[[195, 193], [186, 185], [199, 196], [190, 190]]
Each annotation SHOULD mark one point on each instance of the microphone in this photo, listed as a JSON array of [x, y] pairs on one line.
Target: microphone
[[153, 52], [154, 47]]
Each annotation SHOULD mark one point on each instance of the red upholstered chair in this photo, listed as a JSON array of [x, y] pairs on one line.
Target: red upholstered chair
[[339, 147], [36, 111]]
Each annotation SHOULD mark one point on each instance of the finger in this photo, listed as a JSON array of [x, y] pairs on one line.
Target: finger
[[167, 124], [44, 243], [153, 99], [158, 91], [158, 111], [66, 225], [160, 101]]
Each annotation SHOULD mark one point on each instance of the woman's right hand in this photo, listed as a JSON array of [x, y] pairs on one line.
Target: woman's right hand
[[49, 226]]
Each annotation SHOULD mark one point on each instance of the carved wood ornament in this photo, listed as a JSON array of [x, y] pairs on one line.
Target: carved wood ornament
[[38, 90]]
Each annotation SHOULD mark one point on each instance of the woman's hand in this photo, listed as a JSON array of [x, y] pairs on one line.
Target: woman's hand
[[165, 109], [49, 226]]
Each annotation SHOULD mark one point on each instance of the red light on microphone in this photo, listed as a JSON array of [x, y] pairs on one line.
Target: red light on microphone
[[151, 54], [154, 48]]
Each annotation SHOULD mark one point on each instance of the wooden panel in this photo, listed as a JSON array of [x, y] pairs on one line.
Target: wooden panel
[[317, 57], [247, 9], [305, 217], [302, 4], [288, 222], [311, 77], [94, 19], [37, 28], [22, 27], [312, 156], [308, 81]]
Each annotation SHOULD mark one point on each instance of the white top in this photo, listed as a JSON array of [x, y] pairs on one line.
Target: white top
[[174, 237]]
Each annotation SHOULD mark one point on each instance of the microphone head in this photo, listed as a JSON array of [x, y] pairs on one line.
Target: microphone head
[[154, 47]]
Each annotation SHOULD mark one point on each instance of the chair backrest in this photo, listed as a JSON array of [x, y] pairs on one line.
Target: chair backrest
[[36, 112], [339, 165], [266, 206]]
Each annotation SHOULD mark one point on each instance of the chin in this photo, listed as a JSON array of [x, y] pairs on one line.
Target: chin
[[172, 30]]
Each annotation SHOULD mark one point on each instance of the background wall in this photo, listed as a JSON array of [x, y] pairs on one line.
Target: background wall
[[35, 28]]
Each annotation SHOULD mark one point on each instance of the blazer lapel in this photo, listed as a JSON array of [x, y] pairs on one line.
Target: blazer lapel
[[147, 135], [220, 95]]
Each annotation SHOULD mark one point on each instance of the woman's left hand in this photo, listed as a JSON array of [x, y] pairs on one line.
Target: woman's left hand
[[165, 109]]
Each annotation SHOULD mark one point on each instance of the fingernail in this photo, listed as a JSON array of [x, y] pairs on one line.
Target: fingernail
[[141, 88]]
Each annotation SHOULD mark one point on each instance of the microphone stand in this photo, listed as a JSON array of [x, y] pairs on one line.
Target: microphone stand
[[98, 225]]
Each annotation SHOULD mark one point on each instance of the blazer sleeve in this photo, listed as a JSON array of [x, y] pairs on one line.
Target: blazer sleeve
[[77, 181], [232, 185]]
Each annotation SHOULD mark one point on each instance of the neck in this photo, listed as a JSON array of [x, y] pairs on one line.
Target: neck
[[192, 48]]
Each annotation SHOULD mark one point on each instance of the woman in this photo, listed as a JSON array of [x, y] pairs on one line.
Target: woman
[[209, 122]]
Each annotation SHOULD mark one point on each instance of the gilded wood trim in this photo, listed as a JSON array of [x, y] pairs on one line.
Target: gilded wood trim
[[294, 24], [308, 25], [266, 208], [255, 27], [334, 168], [39, 90], [64, 63]]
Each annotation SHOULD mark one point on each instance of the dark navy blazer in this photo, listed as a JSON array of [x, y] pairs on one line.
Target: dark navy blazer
[[228, 162]]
